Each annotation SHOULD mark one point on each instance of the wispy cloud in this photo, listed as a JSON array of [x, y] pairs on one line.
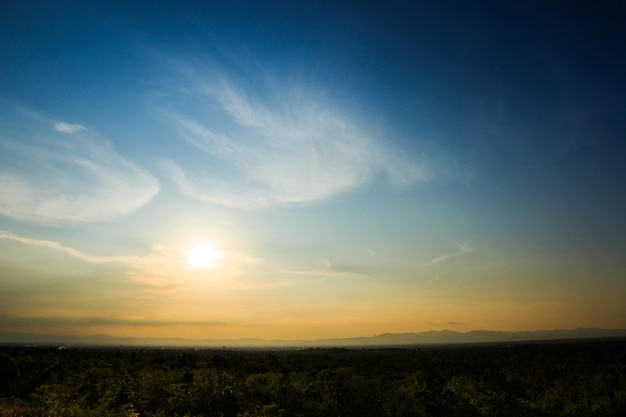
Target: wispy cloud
[[285, 144], [156, 269], [69, 128], [49, 244], [56, 172], [324, 268], [162, 267], [463, 249]]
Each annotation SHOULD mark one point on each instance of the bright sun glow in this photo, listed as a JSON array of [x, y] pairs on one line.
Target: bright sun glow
[[203, 255]]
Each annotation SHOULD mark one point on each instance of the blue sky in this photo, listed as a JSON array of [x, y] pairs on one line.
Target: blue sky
[[232, 169]]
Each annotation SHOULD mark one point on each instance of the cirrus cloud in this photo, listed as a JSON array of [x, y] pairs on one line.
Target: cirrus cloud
[[69, 128], [273, 144], [55, 172]]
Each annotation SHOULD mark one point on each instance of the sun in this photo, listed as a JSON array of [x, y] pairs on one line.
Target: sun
[[202, 256]]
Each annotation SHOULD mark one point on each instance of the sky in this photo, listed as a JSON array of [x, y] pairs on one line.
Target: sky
[[309, 170]]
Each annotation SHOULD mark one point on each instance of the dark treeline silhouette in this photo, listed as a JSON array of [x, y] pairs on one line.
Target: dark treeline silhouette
[[540, 379]]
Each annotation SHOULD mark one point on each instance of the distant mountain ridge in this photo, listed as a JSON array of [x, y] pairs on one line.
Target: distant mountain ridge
[[434, 337], [479, 336]]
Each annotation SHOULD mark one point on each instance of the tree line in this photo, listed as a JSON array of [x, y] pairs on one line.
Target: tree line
[[540, 379]]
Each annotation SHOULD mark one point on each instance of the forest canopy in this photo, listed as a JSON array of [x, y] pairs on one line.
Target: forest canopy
[[540, 379]]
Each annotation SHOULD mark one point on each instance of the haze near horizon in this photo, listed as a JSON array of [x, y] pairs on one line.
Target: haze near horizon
[[229, 170]]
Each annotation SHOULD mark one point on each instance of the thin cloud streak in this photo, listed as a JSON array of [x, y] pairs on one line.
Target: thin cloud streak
[[49, 244], [73, 175], [323, 273], [464, 248], [293, 146], [162, 268], [70, 128], [325, 269], [156, 270]]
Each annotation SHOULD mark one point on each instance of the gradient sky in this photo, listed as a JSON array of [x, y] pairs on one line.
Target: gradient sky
[[298, 171]]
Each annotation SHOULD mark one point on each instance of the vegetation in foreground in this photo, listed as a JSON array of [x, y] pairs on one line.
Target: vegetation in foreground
[[549, 379]]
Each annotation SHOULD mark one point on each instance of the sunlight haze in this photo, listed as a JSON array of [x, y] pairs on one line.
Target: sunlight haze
[[294, 170]]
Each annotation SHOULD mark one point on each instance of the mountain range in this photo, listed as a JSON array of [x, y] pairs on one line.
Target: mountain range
[[439, 337]]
